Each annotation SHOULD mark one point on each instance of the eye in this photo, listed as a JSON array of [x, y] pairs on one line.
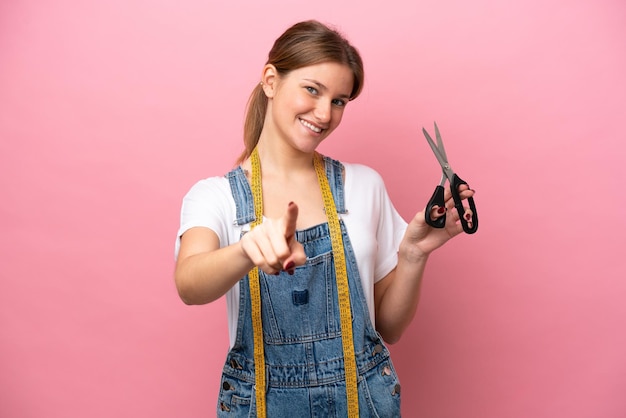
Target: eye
[[311, 90], [339, 102]]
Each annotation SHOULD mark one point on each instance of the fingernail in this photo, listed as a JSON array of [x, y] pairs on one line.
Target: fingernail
[[291, 272], [441, 210], [290, 265], [290, 204], [277, 273]]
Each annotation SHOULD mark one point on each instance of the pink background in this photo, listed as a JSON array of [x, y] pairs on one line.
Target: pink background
[[110, 111]]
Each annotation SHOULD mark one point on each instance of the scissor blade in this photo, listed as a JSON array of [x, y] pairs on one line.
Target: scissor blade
[[443, 162], [440, 146]]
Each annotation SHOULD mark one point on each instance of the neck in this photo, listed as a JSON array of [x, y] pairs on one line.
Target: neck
[[282, 160]]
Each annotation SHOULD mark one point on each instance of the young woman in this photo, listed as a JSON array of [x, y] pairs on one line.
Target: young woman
[[317, 266]]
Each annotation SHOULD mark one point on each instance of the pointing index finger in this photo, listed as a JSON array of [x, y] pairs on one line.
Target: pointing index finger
[[290, 218]]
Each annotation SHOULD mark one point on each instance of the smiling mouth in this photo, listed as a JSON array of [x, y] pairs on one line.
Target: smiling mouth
[[310, 126]]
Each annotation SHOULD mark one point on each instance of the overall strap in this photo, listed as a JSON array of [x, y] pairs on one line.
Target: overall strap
[[242, 194]]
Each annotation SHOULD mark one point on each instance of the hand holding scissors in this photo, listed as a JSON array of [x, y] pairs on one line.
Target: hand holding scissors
[[469, 225]]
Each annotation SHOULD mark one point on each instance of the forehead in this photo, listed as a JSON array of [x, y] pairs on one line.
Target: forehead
[[332, 75]]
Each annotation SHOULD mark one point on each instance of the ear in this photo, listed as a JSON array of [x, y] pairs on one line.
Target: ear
[[269, 80]]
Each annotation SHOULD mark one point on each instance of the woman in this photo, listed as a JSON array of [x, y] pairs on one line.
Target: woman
[[317, 266]]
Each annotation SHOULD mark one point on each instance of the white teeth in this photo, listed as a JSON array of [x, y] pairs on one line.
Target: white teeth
[[310, 126]]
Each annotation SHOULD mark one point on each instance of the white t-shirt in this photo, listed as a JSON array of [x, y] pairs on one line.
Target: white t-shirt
[[374, 226]]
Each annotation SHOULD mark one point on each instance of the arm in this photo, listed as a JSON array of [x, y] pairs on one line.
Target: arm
[[204, 271], [396, 296]]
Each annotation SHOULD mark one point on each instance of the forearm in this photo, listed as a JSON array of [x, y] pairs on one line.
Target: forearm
[[398, 304], [204, 277]]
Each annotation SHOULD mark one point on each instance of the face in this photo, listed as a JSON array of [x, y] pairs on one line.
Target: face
[[307, 104]]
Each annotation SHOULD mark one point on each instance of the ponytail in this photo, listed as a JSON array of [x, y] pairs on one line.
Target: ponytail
[[253, 125]]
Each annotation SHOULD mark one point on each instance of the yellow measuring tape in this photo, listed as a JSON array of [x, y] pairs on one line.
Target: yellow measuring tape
[[343, 290], [255, 293]]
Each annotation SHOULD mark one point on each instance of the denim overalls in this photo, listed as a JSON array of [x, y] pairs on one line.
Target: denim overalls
[[302, 334]]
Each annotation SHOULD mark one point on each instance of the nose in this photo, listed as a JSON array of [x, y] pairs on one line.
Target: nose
[[323, 111]]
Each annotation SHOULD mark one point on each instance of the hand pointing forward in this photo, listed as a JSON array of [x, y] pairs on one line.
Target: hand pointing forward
[[272, 245]]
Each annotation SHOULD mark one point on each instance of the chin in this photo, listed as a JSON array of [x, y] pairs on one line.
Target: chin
[[309, 147]]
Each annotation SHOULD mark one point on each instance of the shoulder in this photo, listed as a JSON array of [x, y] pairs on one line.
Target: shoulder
[[209, 195], [209, 188], [360, 174], [208, 203], [354, 170]]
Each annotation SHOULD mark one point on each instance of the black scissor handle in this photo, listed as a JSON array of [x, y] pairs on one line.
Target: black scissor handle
[[436, 200], [458, 204]]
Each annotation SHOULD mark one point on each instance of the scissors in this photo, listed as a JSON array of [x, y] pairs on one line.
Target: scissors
[[455, 181]]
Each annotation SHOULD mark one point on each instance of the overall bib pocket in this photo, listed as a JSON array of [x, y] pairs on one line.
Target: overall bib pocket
[[305, 301]]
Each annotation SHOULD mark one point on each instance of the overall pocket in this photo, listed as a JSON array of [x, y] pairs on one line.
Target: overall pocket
[[301, 307], [236, 398], [380, 390]]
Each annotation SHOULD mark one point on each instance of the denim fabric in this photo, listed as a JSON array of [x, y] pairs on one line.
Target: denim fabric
[[302, 333]]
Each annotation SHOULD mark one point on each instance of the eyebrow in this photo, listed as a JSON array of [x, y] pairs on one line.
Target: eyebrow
[[323, 87]]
